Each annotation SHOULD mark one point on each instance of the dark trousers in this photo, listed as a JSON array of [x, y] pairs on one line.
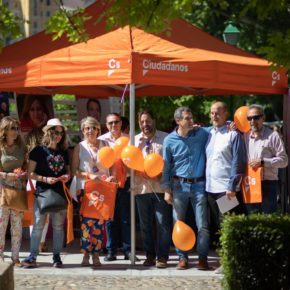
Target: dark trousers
[[121, 223], [152, 210], [215, 215], [269, 199]]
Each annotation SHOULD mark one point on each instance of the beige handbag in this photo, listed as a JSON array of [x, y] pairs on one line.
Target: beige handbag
[[14, 198]]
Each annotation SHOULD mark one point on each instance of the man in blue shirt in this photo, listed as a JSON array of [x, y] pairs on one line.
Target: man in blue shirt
[[184, 180]]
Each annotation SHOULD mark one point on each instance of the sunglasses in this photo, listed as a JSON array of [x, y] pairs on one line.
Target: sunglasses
[[113, 123], [254, 118], [57, 133], [13, 128], [93, 128]]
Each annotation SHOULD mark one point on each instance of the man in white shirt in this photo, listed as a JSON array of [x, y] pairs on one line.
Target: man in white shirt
[[225, 161]]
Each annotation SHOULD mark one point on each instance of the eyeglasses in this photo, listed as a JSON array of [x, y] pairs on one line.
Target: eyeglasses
[[57, 133], [13, 128], [93, 128], [113, 123], [254, 118]]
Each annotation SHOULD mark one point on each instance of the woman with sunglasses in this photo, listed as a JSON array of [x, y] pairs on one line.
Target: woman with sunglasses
[[12, 174], [86, 165], [48, 165]]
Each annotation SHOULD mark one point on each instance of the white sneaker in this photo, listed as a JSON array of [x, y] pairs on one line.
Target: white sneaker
[[219, 270]]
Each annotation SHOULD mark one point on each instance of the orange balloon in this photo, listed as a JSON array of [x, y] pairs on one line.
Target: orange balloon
[[119, 145], [183, 236], [153, 164], [106, 156], [133, 158], [240, 118]]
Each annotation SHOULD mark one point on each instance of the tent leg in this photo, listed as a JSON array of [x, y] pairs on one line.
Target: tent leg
[[132, 195], [286, 135]]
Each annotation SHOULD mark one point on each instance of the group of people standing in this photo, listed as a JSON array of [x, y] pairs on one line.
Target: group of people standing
[[200, 166]]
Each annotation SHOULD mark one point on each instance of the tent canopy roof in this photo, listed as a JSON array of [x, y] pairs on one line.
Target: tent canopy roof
[[185, 61]]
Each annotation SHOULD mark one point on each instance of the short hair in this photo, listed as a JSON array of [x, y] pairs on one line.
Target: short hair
[[91, 121], [114, 114], [145, 112], [222, 104], [178, 112], [257, 107], [94, 101]]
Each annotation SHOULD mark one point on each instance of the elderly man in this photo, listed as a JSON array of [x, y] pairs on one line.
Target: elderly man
[[225, 161], [121, 220], [150, 198], [264, 148], [184, 180]]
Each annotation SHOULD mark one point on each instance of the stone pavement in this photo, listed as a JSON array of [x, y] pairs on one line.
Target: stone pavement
[[118, 274]]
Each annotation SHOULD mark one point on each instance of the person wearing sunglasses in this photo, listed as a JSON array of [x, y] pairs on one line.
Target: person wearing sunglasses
[[49, 166], [121, 222], [86, 165], [12, 158], [265, 148], [152, 208]]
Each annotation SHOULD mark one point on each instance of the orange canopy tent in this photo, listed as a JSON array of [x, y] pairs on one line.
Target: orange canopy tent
[[186, 61]]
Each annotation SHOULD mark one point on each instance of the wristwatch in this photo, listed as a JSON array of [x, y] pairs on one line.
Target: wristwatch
[[262, 162]]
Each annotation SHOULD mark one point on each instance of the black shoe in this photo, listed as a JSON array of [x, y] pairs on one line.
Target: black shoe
[[57, 263], [110, 258], [128, 257]]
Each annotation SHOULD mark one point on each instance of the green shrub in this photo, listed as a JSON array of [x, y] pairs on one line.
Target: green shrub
[[255, 252]]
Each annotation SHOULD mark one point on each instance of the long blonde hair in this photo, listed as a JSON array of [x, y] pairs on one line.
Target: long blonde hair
[[7, 123], [48, 137]]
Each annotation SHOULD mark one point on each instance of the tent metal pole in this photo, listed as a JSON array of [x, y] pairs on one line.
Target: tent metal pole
[[132, 195], [286, 132]]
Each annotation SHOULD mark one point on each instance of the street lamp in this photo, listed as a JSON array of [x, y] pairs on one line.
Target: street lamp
[[231, 34]]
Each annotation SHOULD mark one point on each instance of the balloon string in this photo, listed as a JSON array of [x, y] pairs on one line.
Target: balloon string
[[153, 191], [124, 92]]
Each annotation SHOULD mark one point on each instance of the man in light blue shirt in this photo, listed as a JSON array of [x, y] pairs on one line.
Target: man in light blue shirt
[[183, 180], [226, 161]]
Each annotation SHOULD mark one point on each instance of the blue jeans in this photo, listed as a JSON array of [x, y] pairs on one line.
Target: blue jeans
[[269, 199], [153, 206], [121, 225], [193, 193], [57, 219]]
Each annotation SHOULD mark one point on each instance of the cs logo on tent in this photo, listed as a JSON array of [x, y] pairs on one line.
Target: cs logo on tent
[[275, 78], [113, 65]]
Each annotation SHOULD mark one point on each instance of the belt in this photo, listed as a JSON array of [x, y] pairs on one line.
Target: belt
[[189, 180]]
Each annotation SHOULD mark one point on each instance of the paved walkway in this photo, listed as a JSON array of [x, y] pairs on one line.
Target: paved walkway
[[118, 274]]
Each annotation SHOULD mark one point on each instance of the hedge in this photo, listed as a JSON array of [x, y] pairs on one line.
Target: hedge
[[255, 252]]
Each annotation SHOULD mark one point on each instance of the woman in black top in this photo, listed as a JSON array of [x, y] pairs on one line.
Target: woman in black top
[[49, 166]]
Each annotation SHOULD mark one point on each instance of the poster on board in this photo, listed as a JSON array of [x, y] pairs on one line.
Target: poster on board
[[33, 111]]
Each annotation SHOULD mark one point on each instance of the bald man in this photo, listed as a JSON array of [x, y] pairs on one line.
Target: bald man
[[226, 160]]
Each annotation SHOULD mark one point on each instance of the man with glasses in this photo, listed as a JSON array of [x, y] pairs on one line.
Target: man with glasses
[[152, 207], [265, 149], [184, 180], [121, 222]]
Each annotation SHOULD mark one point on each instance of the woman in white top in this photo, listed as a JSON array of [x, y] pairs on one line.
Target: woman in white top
[[85, 165]]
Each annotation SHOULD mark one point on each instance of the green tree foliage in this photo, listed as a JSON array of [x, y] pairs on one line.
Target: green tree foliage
[[9, 25]]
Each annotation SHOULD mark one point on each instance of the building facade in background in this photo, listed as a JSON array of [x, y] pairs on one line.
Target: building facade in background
[[35, 13]]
